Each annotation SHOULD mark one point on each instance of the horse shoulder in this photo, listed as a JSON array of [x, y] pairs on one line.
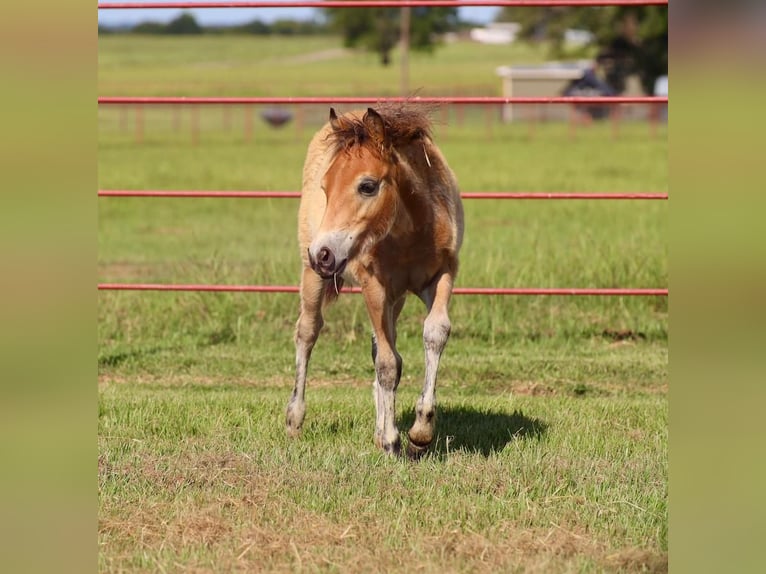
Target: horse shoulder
[[448, 223]]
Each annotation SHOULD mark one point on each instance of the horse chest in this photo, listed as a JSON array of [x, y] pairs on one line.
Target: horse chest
[[405, 266]]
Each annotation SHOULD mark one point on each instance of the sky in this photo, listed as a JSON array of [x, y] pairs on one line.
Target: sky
[[222, 16]]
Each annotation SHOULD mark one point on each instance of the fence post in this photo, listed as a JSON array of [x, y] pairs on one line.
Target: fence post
[[616, 114], [139, 124], [177, 118], [248, 123], [195, 125], [299, 121], [123, 118]]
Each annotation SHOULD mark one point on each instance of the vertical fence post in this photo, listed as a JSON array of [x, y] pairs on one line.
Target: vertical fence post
[[404, 35], [573, 120], [300, 119], [123, 118], [488, 121], [139, 124], [195, 125], [534, 118], [177, 118], [248, 123], [654, 120]]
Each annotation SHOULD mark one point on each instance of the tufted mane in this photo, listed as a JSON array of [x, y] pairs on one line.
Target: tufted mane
[[403, 123]]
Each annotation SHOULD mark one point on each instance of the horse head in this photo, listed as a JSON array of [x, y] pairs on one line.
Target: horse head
[[361, 191]]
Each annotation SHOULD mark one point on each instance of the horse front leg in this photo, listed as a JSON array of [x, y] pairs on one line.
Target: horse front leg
[[376, 394], [306, 333], [436, 330], [388, 366]]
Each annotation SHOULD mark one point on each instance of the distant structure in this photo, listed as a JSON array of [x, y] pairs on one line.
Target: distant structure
[[574, 38], [548, 79], [507, 32], [496, 33]]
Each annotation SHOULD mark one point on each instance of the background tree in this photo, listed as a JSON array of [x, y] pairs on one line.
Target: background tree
[[633, 40], [428, 24], [377, 29], [148, 28], [183, 24]]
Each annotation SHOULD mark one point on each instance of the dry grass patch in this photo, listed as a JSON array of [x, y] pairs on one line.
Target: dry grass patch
[[207, 509]]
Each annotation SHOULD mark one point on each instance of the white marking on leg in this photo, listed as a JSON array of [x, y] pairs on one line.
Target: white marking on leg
[[435, 334], [296, 408], [388, 369], [436, 330], [379, 418], [306, 333], [388, 364]]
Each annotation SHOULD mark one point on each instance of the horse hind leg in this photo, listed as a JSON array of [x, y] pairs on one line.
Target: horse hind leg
[[307, 329], [436, 330], [376, 393]]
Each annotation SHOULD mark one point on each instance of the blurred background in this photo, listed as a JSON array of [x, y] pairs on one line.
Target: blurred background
[[482, 51]]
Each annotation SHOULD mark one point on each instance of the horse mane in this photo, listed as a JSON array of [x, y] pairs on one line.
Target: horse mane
[[404, 123]]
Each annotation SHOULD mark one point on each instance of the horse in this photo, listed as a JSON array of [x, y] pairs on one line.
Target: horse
[[379, 208]]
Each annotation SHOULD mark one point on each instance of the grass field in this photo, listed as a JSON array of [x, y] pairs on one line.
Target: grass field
[[551, 449], [275, 66]]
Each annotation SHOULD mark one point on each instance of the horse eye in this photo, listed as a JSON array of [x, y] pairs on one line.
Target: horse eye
[[368, 187]]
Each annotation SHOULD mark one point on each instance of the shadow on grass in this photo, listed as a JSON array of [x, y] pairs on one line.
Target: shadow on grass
[[480, 431], [116, 359]]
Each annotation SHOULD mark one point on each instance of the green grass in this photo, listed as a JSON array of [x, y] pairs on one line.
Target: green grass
[[551, 453], [200, 477], [279, 66]]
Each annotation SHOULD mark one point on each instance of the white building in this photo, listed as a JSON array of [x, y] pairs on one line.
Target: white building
[[496, 33]]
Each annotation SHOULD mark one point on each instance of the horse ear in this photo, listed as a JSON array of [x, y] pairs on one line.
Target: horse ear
[[375, 127], [335, 123]]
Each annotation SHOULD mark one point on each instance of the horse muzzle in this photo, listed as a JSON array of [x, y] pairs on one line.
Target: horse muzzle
[[326, 264]]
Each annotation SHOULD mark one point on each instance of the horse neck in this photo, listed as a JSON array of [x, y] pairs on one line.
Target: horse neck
[[421, 175]]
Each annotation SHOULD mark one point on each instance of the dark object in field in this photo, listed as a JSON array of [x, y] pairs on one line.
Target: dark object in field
[[276, 117]]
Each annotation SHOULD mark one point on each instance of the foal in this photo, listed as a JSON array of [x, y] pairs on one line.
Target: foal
[[380, 207]]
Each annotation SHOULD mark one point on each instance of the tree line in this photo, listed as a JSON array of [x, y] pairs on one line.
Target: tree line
[[627, 40], [374, 29], [186, 24]]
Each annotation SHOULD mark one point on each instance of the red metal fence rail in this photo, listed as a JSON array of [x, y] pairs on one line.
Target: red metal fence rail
[[457, 291], [478, 100], [376, 4], [193, 193]]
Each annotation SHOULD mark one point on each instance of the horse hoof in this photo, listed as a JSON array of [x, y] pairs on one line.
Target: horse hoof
[[393, 449], [293, 429], [416, 451]]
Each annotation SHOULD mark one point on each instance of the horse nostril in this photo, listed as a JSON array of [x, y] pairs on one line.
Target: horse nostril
[[325, 258]]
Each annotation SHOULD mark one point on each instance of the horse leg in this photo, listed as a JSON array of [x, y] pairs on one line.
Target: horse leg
[[398, 306], [388, 367], [436, 330], [306, 333]]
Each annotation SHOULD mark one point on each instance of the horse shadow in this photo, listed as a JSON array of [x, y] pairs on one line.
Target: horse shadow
[[478, 431]]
